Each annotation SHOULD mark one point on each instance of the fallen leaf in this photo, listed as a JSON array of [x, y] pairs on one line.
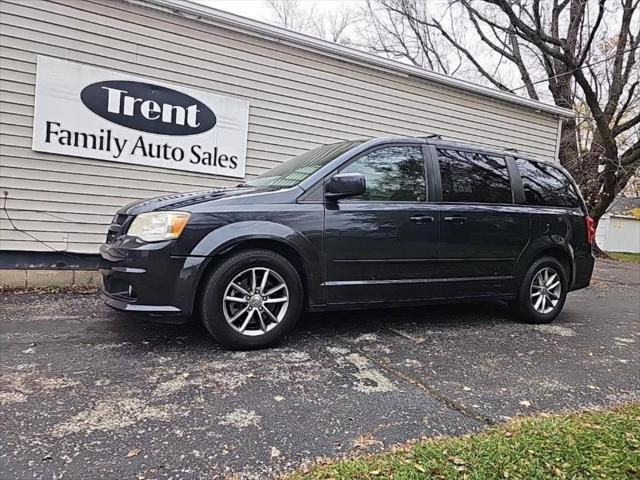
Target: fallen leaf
[[525, 403], [365, 441], [419, 467], [457, 460], [133, 453]]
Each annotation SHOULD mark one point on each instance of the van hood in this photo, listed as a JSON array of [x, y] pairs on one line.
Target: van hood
[[178, 201]]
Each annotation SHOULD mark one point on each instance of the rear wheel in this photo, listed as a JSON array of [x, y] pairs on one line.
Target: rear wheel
[[543, 291], [252, 299]]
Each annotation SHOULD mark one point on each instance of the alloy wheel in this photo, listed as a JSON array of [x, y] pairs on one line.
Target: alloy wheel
[[545, 291], [255, 301]]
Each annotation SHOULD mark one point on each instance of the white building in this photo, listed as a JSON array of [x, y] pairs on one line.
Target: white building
[[300, 92], [619, 230]]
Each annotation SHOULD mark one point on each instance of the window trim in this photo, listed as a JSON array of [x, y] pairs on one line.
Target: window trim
[[436, 166], [374, 148], [517, 187]]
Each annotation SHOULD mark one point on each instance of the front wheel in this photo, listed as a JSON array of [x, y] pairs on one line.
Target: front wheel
[[252, 299], [543, 291]]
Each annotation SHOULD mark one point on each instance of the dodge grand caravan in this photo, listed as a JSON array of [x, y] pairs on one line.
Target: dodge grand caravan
[[371, 223]]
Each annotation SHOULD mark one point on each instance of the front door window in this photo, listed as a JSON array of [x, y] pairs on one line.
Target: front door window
[[392, 174]]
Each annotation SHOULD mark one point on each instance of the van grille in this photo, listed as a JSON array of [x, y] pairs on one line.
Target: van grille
[[115, 228]]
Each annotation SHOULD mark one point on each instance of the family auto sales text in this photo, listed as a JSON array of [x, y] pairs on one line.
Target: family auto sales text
[[106, 141]]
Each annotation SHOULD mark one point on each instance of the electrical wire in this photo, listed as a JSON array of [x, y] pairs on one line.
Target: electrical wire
[[586, 65], [24, 232]]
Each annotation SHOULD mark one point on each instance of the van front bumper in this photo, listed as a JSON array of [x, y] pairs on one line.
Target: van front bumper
[[144, 278]]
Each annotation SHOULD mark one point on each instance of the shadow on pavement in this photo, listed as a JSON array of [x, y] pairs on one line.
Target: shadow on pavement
[[352, 322]]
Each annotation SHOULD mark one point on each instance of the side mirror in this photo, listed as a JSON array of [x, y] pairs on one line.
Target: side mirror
[[344, 185]]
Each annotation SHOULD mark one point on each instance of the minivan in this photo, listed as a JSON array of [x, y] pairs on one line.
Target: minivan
[[355, 224]]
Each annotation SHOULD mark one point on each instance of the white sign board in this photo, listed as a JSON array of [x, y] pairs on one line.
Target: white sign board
[[95, 113]]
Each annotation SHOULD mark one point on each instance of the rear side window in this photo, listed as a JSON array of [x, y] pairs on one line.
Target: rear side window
[[546, 185], [393, 174], [470, 177]]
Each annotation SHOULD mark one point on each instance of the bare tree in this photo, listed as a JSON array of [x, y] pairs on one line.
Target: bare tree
[[334, 24], [331, 25], [583, 51], [293, 15], [397, 35]]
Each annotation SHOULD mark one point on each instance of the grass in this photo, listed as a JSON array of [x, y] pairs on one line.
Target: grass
[[596, 444], [625, 257]]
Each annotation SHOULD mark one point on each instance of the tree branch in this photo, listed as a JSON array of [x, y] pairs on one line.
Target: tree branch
[[469, 56], [587, 47], [623, 127], [483, 37], [632, 155], [524, 73], [617, 79], [625, 106]]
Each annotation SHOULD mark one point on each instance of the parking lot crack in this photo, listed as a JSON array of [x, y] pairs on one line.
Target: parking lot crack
[[432, 392]]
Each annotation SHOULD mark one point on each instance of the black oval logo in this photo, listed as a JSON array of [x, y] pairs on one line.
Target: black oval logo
[[148, 108]]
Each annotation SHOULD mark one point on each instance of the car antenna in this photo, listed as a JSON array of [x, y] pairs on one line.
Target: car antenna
[[432, 135]]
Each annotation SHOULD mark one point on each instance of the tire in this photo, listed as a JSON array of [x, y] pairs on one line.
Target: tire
[[228, 294], [531, 307]]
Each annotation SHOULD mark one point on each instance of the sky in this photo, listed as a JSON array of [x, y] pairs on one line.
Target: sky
[[259, 9], [256, 9]]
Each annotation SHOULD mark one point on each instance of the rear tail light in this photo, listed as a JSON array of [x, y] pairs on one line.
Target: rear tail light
[[591, 229]]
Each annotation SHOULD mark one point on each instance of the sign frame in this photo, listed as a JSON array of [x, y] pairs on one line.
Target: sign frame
[[91, 112]]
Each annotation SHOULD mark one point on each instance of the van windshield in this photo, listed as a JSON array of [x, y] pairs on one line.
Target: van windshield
[[292, 172]]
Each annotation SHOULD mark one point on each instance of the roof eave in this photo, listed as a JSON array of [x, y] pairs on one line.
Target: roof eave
[[201, 12]]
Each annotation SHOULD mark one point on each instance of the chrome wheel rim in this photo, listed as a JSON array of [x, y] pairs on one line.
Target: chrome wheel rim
[[255, 301], [545, 290]]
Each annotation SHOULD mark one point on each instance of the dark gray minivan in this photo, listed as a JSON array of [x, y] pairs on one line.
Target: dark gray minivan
[[367, 223]]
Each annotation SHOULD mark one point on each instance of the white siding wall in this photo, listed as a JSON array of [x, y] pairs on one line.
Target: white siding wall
[[619, 234], [298, 100]]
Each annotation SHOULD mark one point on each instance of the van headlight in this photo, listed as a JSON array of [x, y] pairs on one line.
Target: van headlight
[[157, 226]]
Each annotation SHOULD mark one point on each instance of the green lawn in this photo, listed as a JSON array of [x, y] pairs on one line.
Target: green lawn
[[625, 257], [596, 444]]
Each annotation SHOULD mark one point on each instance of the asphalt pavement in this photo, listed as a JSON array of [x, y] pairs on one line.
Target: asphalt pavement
[[87, 393]]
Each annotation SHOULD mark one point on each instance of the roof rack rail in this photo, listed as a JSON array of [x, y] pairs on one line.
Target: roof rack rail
[[431, 135], [511, 149]]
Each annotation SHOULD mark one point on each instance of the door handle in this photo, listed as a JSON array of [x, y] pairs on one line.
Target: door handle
[[458, 220], [422, 218]]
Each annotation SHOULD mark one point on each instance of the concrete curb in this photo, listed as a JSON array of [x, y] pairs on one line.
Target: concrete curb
[[13, 278]]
